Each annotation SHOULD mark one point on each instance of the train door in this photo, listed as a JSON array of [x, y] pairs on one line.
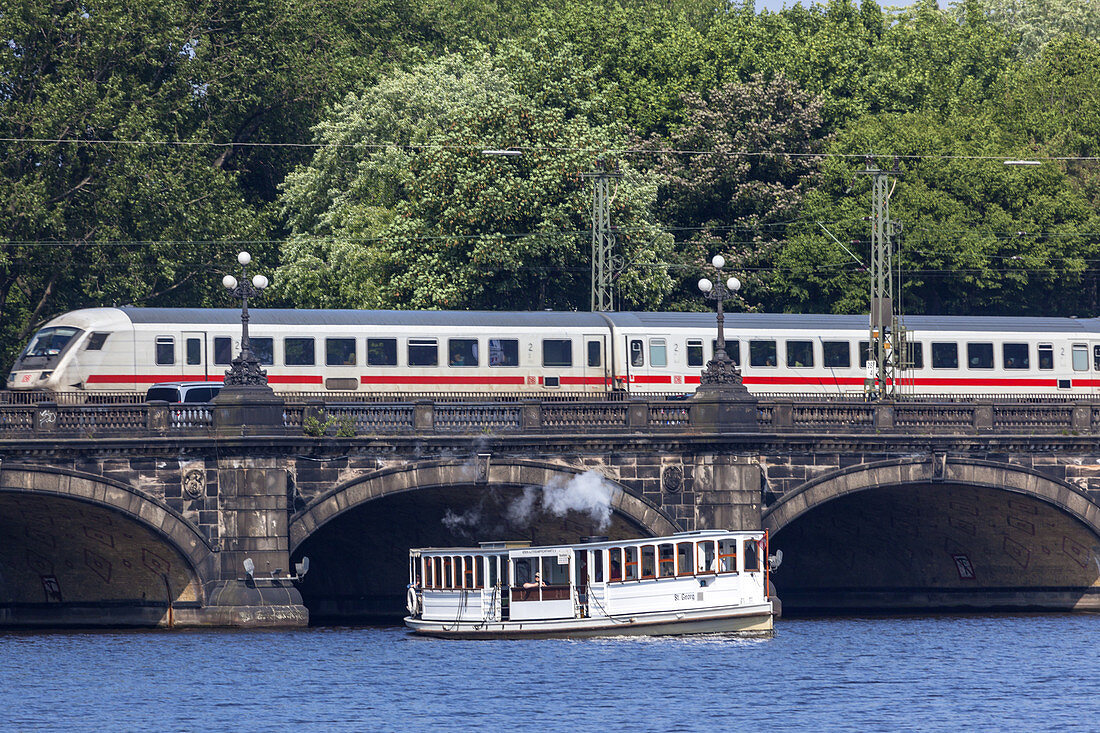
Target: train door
[[195, 363], [597, 377]]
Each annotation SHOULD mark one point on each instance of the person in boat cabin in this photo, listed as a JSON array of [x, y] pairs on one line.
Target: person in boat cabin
[[537, 583]]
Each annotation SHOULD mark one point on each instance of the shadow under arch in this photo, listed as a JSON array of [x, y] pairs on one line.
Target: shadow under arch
[[501, 473], [936, 533], [923, 470], [91, 550]]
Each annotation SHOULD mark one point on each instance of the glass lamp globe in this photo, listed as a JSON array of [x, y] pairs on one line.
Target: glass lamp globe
[[706, 285], [719, 261], [244, 258], [229, 282], [259, 282]]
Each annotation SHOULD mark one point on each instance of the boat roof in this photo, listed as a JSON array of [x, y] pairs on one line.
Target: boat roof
[[504, 548]]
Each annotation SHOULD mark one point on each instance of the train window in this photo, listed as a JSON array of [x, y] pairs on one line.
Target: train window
[[979, 356], [95, 341], [1046, 356], [1080, 358], [637, 355], [913, 355], [263, 349], [423, 353], [1015, 356], [945, 355], [836, 354], [193, 349], [503, 352], [557, 352], [298, 352], [864, 353], [223, 350], [733, 349], [1096, 358], [800, 353], [462, 352], [658, 353], [695, 352], [595, 354], [166, 350], [340, 352], [382, 352], [762, 353]]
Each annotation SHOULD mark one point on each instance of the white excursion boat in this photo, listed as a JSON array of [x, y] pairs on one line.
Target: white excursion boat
[[710, 581]]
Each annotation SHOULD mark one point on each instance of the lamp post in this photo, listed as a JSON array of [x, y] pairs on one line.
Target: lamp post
[[720, 370], [246, 367]]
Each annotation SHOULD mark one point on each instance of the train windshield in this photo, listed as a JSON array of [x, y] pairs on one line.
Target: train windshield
[[50, 341]]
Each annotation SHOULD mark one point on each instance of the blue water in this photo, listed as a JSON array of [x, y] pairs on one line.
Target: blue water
[[1025, 672]]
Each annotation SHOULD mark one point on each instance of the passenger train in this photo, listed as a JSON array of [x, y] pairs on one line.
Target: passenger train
[[129, 349]]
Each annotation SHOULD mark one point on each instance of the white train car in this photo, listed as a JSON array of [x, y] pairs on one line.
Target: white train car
[[128, 349]]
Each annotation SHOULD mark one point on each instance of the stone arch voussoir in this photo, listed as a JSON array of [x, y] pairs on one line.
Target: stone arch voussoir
[[128, 501], [902, 471], [434, 474]]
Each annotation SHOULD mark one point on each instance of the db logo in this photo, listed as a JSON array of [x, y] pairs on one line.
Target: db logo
[[677, 379], [26, 377], [532, 380]]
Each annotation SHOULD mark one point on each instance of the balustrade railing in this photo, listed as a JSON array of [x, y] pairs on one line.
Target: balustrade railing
[[315, 418]]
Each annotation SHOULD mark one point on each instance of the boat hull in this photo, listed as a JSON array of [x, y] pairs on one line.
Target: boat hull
[[749, 620]]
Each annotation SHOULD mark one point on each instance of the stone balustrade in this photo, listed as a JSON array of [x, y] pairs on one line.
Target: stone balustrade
[[49, 419]]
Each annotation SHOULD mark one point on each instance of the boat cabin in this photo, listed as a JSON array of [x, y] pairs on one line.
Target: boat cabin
[[512, 581]]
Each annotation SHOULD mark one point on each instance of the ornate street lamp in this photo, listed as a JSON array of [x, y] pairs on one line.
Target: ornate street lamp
[[720, 370], [246, 367]]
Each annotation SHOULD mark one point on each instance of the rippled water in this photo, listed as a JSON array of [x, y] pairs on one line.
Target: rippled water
[[1022, 672]]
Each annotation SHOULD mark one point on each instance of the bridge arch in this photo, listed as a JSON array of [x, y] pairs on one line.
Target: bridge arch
[[933, 470], [61, 510], [501, 473]]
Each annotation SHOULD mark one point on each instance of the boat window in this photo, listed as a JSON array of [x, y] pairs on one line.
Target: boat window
[[1015, 356], [1080, 358], [637, 356], [448, 573], [1046, 356], [469, 576], [615, 564], [979, 356], [596, 563], [493, 571], [666, 560], [685, 563], [340, 352], [462, 352], [836, 354], [223, 350], [381, 352], [800, 353], [554, 572], [437, 572], [752, 556], [649, 566], [298, 352], [727, 556], [695, 352], [557, 352], [945, 355], [630, 564], [264, 350], [503, 352], [762, 354], [733, 349], [658, 353], [523, 570], [423, 353], [705, 555]]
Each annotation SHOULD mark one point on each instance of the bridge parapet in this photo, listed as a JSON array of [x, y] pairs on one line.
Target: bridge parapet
[[48, 419]]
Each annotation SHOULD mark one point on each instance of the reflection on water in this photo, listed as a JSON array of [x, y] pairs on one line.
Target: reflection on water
[[1034, 672]]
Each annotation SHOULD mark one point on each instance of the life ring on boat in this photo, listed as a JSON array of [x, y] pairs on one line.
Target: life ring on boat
[[411, 601]]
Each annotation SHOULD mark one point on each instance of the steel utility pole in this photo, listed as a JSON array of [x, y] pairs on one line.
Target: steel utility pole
[[603, 238], [887, 336]]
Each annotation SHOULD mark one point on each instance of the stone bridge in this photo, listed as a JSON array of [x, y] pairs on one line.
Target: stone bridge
[[145, 514]]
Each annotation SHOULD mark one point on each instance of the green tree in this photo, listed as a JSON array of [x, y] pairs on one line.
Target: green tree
[[400, 208]]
